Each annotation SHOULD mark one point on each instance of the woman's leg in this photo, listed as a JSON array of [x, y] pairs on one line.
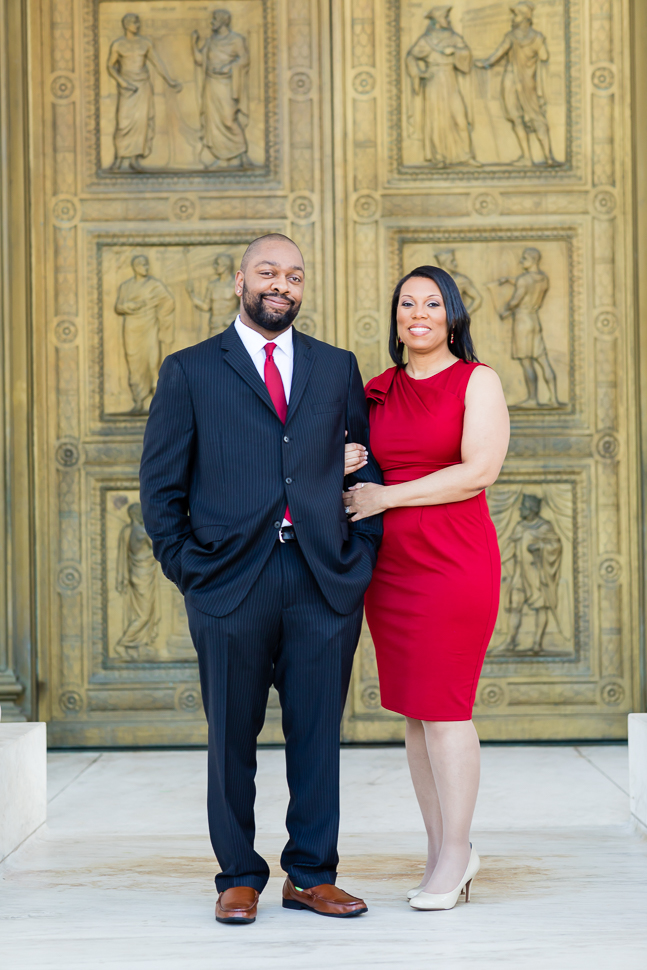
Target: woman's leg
[[425, 789], [454, 755]]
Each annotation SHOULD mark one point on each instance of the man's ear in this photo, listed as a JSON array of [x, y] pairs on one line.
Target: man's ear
[[240, 279]]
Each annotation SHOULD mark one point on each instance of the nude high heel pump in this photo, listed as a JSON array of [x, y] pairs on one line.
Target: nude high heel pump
[[418, 889], [431, 901]]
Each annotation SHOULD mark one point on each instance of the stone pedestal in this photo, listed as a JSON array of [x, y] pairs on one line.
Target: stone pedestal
[[23, 783], [638, 767]]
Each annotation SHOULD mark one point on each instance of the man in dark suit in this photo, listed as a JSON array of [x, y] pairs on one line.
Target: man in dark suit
[[241, 490]]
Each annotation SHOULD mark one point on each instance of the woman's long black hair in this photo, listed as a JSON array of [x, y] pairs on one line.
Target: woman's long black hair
[[458, 319]]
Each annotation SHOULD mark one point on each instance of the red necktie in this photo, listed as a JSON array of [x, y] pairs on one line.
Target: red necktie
[[274, 385]]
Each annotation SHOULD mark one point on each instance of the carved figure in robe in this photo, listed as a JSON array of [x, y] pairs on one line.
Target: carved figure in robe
[[524, 49], [128, 62], [225, 95], [528, 346], [535, 551], [470, 295], [147, 308], [433, 65], [220, 300], [138, 583]]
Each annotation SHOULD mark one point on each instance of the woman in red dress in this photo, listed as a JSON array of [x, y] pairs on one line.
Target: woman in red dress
[[439, 431]]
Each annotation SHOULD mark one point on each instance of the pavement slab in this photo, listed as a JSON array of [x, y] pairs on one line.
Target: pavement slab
[[122, 874]]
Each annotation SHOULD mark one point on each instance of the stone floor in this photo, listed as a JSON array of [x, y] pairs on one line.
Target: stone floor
[[122, 875]]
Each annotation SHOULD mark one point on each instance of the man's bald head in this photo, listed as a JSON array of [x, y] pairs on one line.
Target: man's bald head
[[264, 246], [270, 283]]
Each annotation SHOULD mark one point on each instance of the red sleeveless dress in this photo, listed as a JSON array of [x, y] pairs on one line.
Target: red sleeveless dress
[[434, 597]]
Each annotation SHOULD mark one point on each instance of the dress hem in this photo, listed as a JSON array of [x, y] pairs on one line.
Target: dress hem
[[417, 717]]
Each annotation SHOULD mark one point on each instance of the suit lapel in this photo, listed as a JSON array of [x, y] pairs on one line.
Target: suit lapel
[[237, 357], [303, 360]]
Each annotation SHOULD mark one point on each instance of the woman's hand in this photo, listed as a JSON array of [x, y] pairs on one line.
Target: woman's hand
[[365, 499], [355, 457]]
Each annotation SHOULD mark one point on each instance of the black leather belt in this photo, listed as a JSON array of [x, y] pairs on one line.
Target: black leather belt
[[287, 534]]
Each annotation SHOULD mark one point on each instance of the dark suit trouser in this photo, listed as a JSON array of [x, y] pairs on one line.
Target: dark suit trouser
[[285, 633]]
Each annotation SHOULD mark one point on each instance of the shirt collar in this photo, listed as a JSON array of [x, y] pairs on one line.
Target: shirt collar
[[255, 342]]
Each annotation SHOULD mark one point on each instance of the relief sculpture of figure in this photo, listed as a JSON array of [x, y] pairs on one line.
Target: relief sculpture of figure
[[128, 65], [137, 581], [523, 48], [147, 307], [220, 300], [225, 97], [528, 346], [535, 551], [468, 291], [433, 64]]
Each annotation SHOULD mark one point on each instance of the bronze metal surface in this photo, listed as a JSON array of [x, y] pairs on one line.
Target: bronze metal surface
[[162, 140]]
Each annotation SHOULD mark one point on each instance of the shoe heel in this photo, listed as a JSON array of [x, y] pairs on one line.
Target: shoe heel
[[292, 904], [467, 891]]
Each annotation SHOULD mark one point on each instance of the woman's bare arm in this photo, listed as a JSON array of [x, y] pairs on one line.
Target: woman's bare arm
[[486, 433]]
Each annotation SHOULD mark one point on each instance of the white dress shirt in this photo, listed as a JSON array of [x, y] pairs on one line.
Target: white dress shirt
[[254, 344], [283, 355]]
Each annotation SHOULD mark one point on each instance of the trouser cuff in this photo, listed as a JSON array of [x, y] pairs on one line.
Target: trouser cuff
[[306, 879], [254, 882]]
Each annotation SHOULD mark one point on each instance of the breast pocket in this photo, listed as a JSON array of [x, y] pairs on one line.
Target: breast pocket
[[322, 407]]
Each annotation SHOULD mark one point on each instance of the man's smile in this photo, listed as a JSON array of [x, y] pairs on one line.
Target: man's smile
[[277, 303]]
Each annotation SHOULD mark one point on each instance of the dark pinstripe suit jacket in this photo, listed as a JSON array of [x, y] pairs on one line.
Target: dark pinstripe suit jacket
[[218, 467]]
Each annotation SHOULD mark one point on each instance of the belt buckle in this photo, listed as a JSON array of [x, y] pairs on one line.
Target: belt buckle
[[281, 539]]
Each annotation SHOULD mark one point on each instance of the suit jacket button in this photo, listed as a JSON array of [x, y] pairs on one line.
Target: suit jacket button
[[285, 437], [288, 481], [277, 525]]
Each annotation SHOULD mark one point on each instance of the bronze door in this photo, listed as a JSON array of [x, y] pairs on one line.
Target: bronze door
[[497, 144], [378, 139]]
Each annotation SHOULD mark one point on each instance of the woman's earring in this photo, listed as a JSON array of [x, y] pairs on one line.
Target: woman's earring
[[451, 339]]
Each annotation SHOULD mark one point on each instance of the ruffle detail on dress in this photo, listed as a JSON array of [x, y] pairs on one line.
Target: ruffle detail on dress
[[378, 387]]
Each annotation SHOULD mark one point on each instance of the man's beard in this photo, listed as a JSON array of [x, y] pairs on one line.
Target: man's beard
[[255, 309]]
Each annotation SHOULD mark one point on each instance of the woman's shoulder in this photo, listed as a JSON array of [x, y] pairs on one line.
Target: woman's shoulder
[[378, 387], [481, 377], [477, 366], [472, 365], [468, 373]]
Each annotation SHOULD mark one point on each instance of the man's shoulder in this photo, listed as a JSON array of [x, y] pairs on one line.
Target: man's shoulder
[[323, 349], [201, 354]]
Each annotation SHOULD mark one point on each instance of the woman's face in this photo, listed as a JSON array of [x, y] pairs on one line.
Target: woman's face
[[421, 317]]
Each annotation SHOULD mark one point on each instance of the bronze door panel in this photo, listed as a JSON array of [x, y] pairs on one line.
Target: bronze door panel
[[379, 139]]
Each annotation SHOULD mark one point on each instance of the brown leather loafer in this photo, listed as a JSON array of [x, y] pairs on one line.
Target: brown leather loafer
[[327, 900], [237, 905]]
